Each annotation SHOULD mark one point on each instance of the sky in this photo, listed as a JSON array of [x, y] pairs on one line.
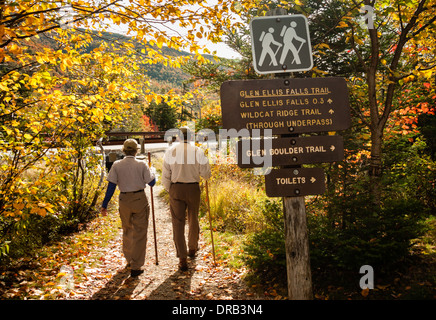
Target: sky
[[222, 50]]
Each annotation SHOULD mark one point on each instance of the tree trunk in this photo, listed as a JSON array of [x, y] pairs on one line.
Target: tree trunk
[[376, 165], [380, 111], [375, 170], [297, 249]]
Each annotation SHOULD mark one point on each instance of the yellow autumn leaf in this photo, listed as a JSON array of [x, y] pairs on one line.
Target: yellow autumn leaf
[[4, 87], [19, 206], [43, 204], [8, 131], [342, 24], [42, 212]]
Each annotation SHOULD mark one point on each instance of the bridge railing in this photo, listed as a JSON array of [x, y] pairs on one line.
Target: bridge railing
[[141, 137]]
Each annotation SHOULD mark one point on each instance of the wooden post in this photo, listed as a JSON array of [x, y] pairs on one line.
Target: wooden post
[[296, 238], [142, 142], [297, 249], [152, 214], [210, 223]]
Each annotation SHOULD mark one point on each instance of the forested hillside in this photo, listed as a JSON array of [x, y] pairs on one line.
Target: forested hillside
[[157, 71]]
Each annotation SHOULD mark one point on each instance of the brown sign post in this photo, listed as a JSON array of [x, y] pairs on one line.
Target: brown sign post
[[287, 151], [286, 106], [296, 182]]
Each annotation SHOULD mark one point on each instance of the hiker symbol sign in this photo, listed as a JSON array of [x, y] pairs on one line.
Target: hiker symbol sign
[[281, 44]]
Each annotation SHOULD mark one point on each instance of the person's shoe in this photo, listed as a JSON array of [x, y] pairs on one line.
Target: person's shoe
[[135, 273], [183, 264], [192, 253]]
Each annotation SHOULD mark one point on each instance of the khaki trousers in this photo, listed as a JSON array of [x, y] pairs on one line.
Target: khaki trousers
[[134, 213], [185, 198]]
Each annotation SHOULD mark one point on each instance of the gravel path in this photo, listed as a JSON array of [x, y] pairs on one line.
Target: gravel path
[[164, 281]]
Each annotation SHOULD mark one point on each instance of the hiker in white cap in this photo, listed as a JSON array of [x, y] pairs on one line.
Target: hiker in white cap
[[183, 166]]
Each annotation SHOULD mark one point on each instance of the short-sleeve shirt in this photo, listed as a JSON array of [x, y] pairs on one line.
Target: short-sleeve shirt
[[184, 163], [130, 174]]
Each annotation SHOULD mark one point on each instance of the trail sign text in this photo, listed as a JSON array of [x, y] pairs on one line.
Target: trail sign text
[[286, 105], [286, 151], [295, 182]]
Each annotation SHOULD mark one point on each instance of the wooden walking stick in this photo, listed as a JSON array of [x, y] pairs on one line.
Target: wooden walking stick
[[210, 222], [152, 214]]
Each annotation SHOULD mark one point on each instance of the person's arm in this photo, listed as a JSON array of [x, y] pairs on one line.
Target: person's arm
[[109, 193], [152, 182], [166, 174]]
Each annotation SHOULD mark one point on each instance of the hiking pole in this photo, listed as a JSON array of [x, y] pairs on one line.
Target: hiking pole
[[275, 54], [210, 223], [298, 51], [152, 214]]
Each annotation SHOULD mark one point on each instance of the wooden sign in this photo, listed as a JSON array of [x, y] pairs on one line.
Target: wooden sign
[[286, 105], [290, 151], [295, 182]]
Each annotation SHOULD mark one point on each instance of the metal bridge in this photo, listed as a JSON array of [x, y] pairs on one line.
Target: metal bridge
[[140, 136]]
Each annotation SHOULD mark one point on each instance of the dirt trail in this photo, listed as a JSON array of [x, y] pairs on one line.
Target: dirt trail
[[202, 281]]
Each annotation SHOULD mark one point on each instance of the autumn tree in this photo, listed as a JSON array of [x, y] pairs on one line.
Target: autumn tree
[[393, 44], [57, 92]]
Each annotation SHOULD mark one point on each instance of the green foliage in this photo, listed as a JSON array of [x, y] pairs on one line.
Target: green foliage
[[380, 238], [411, 173], [211, 121], [265, 250], [162, 114], [347, 229], [427, 125]]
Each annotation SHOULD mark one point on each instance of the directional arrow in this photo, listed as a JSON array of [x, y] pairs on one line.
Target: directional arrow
[[332, 147], [275, 93], [286, 183]]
